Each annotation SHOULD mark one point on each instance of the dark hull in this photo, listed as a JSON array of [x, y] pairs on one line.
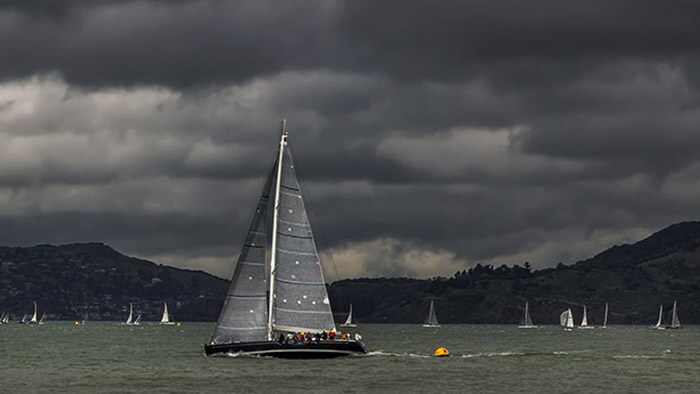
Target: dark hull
[[323, 349]]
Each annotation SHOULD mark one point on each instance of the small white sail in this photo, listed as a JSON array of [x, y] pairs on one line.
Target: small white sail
[[584, 320], [43, 318], [605, 319], [348, 321], [526, 322], [137, 321], [35, 318], [130, 319], [165, 320], [24, 319], [431, 321], [675, 321], [658, 325], [566, 319]]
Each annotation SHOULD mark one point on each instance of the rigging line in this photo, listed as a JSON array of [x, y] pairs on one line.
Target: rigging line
[[319, 233]]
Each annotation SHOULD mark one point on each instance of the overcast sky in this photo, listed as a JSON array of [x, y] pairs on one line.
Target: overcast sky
[[430, 135]]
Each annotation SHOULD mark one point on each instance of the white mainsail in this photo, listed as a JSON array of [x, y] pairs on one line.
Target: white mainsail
[[137, 321], [130, 319], [349, 322], [43, 318], [35, 319], [566, 319], [431, 321], [166, 316], [584, 320], [605, 319], [675, 321], [526, 322], [659, 323]]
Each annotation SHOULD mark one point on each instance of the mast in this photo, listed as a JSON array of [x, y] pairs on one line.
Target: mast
[[278, 181]]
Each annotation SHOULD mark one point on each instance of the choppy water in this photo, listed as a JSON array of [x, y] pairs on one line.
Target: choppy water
[[106, 357]]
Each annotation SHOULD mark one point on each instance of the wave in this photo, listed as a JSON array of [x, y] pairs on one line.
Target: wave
[[390, 354]]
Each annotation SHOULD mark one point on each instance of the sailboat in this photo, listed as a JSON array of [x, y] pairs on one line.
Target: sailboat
[[349, 321], [526, 322], [24, 320], [251, 322], [605, 319], [43, 319], [675, 321], [566, 319], [130, 320], [34, 319], [431, 320], [165, 320], [659, 324], [5, 319], [584, 321], [137, 321]]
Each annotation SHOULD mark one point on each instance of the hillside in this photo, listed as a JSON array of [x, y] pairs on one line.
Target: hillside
[[70, 280], [634, 279]]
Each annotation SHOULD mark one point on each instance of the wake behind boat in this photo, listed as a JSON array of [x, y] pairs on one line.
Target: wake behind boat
[[253, 323], [526, 322]]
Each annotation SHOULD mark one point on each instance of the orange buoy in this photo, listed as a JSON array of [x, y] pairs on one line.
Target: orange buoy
[[441, 352]]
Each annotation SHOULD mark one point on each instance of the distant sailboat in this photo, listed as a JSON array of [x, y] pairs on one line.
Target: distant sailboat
[[35, 319], [165, 320], [431, 321], [264, 307], [675, 321], [566, 319], [5, 318], [130, 320], [43, 318], [526, 322], [349, 321], [605, 319], [24, 320], [137, 321], [659, 324], [584, 321], [84, 321]]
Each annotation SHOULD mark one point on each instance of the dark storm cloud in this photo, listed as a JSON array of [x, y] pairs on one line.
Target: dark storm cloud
[[429, 136]]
